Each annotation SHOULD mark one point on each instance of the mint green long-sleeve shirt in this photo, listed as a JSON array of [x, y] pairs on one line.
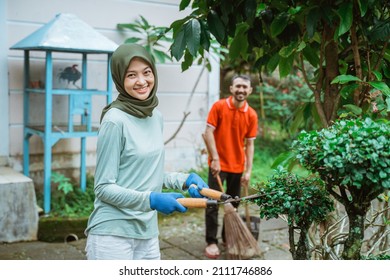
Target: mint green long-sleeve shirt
[[130, 165]]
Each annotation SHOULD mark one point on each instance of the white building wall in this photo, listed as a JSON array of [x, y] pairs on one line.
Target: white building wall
[[4, 100], [23, 17]]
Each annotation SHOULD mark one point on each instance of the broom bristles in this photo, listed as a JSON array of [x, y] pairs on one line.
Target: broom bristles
[[240, 243]]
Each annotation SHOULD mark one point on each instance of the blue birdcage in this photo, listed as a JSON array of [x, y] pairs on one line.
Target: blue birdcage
[[65, 35]]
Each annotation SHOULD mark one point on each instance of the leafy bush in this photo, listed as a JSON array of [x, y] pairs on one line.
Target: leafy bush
[[353, 158], [282, 99], [304, 200], [149, 36], [69, 200], [351, 153]]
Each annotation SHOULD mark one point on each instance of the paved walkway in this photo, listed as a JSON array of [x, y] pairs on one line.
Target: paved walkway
[[181, 238]]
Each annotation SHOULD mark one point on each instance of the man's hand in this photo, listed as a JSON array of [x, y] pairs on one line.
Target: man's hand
[[245, 178], [215, 167]]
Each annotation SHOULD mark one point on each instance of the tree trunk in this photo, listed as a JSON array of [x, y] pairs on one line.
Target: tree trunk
[[302, 251], [331, 91], [353, 244]]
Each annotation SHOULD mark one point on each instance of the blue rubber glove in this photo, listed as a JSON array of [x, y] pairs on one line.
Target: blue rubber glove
[[166, 203], [192, 180]]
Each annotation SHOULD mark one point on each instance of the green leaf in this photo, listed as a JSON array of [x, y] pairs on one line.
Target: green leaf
[[285, 65], [354, 109], [363, 5], [378, 75], [388, 103], [132, 40], [382, 86], [315, 115], [238, 46], [192, 36], [342, 79], [294, 10], [298, 118], [311, 55], [273, 62], [382, 174], [347, 90], [260, 8], [301, 46], [343, 67], [288, 50], [130, 26], [387, 54], [179, 45], [285, 159], [311, 21], [346, 17], [204, 36], [145, 23], [279, 24], [184, 4], [380, 31], [250, 9], [161, 56], [177, 25], [188, 60], [216, 26]]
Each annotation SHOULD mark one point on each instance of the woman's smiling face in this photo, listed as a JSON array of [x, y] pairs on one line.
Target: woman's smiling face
[[139, 79]]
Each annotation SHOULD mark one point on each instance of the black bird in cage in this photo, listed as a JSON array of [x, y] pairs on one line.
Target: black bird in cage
[[70, 74]]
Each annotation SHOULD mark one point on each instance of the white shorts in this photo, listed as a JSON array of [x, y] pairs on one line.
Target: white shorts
[[108, 247]]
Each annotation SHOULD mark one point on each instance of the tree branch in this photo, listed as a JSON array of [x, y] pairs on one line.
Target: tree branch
[[380, 57], [358, 66], [178, 129], [305, 73], [318, 88], [186, 113]]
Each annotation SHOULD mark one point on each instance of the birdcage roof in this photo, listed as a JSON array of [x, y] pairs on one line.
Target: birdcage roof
[[67, 33]]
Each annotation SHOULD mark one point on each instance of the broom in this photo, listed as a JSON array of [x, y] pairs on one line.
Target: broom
[[240, 243]]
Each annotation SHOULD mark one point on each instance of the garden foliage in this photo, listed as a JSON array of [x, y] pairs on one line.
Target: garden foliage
[[304, 201], [353, 158]]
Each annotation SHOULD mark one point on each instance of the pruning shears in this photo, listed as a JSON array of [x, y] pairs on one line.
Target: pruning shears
[[214, 198]]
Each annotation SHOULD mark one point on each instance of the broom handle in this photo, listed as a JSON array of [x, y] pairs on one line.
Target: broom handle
[[247, 216], [219, 183], [208, 151]]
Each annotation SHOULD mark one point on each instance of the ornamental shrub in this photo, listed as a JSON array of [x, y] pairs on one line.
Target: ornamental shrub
[[353, 158], [304, 201], [351, 153]]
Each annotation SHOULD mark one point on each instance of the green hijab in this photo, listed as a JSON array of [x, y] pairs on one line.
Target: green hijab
[[119, 63]]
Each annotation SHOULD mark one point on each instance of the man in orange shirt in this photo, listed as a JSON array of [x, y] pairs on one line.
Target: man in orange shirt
[[230, 133]]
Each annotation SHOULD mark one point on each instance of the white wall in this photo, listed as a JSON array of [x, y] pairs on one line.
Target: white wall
[[4, 140], [24, 17]]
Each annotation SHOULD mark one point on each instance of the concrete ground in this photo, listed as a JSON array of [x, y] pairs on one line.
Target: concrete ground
[[181, 238]]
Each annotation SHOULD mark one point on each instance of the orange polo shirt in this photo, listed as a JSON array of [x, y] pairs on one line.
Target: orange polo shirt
[[232, 126]]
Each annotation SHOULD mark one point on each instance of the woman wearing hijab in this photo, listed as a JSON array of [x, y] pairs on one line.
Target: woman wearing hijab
[[130, 166]]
